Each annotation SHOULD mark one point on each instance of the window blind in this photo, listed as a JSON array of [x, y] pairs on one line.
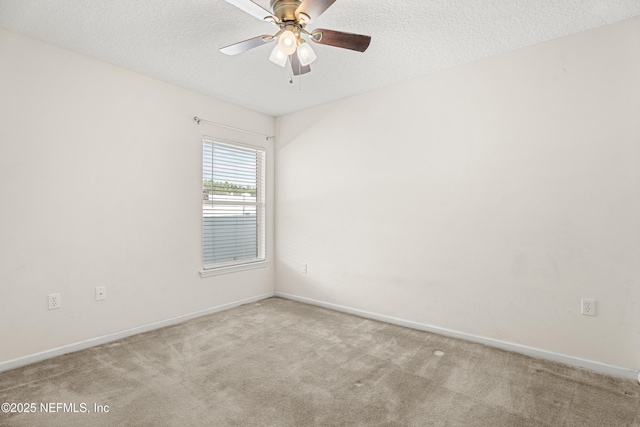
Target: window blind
[[233, 209]]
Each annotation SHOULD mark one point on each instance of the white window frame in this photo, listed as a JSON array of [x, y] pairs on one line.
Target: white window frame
[[260, 205]]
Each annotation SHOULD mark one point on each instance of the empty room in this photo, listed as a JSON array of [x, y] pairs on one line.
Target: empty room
[[319, 213]]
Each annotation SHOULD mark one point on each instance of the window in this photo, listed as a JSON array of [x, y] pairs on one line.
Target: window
[[233, 209]]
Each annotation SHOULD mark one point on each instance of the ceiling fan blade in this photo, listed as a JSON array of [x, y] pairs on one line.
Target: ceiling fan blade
[[245, 45], [252, 9], [313, 8], [298, 68], [340, 39]]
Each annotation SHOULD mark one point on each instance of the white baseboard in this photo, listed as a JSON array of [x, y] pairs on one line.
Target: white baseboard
[[591, 365], [92, 342]]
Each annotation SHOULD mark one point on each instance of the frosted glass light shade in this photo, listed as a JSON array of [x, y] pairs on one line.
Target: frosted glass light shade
[[306, 54], [287, 42], [278, 57]]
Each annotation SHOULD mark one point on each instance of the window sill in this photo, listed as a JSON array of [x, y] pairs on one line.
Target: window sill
[[233, 268]]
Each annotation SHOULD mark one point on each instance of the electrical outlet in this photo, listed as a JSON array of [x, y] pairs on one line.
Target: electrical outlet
[[304, 268], [101, 293], [588, 307], [54, 301]]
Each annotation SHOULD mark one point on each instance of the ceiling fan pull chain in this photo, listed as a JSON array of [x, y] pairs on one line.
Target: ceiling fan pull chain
[[290, 75]]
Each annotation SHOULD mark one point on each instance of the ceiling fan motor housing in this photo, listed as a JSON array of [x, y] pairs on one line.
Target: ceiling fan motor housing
[[285, 10]]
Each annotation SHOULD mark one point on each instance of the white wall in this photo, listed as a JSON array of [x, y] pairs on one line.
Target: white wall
[[488, 199], [100, 185]]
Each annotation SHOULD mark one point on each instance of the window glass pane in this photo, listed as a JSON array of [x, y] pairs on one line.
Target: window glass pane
[[233, 208], [230, 233]]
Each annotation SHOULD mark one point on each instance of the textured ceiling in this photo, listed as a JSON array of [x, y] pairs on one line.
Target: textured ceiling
[[177, 40]]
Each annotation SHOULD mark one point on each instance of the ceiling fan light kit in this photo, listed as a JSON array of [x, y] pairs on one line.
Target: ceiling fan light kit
[[292, 16], [277, 57], [288, 42], [305, 53]]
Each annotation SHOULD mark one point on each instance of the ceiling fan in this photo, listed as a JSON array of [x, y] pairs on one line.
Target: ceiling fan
[[292, 16]]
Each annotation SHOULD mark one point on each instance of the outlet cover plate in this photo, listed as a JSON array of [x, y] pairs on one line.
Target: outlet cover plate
[[54, 301], [588, 307], [101, 293]]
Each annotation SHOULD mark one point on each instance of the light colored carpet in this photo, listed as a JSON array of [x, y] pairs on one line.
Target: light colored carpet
[[282, 363]]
